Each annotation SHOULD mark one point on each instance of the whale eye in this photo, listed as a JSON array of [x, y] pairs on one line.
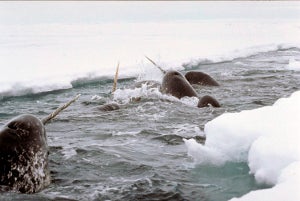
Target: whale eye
[[12, 126]]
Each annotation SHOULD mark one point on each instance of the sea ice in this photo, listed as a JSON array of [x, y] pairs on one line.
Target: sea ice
[[267, 138]]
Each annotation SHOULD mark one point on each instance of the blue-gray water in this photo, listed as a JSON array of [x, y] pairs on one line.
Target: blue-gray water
[[137, 152]]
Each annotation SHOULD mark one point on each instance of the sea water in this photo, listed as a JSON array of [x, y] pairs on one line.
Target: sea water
[[148, 149]]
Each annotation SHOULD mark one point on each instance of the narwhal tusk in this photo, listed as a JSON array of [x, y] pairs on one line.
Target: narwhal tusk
[[116, 79], [160, 68], [58, 110]]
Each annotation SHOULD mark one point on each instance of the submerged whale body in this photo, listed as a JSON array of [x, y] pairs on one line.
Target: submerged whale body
[[109, 107], [24, 155], [205, 101], [200, 78]]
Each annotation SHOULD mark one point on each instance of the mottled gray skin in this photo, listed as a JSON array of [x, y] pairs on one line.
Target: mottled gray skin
[[109, 107], [24, 155], [205, 101], [175, 84], [200, 78]]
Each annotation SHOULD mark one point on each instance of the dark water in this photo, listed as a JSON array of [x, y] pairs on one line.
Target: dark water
[[137, 152]]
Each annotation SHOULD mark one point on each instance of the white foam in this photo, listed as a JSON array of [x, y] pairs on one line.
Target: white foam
[[69, 152], [127, 95], [293, 65], [267, 138]]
